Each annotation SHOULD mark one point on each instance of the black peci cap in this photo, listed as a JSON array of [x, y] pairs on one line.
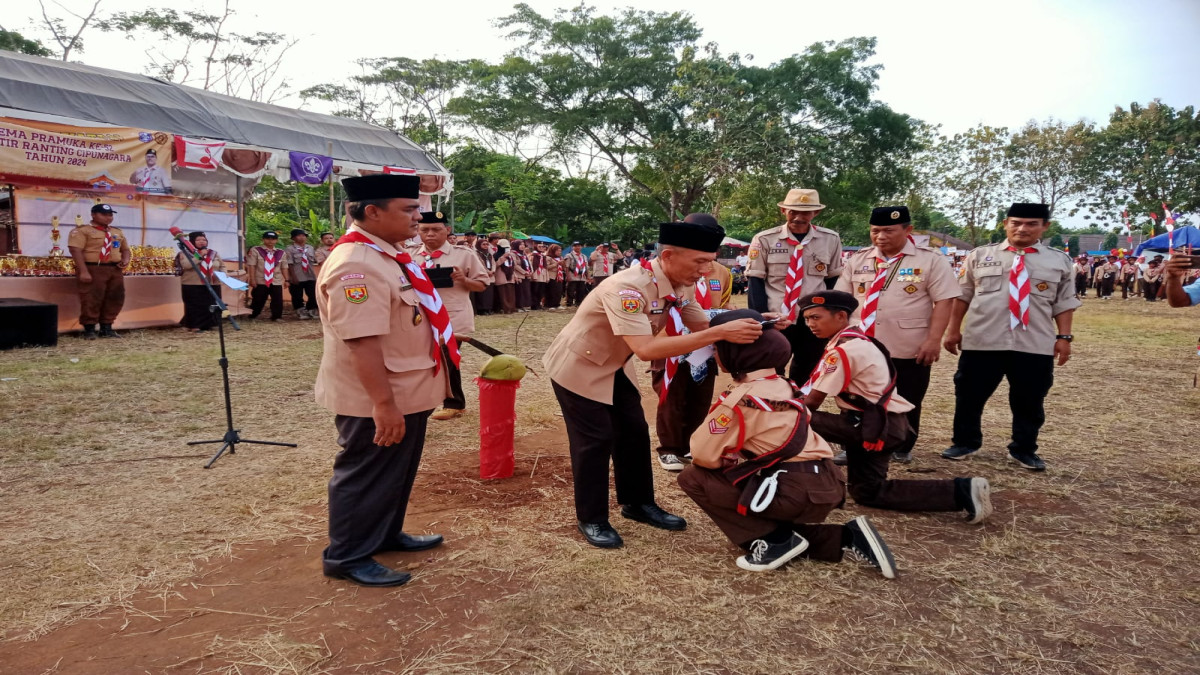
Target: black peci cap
[[832, 300], [1028, 210], [695, 236], [890, 215], [297, 231], [433, 217]]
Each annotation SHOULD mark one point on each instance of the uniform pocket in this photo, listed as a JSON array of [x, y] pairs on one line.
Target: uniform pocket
[[989, 284], [594, 352], [912, 323], [1043, 288]]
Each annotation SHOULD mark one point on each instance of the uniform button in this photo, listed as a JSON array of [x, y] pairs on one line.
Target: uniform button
[[589, 352]]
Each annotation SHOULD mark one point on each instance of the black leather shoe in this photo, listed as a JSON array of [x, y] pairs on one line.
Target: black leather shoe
[[601, 535], [652, 515], [414, 542], [106, 330], [373, 574]]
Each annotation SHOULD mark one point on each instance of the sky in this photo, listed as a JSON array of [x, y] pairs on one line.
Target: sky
[[955, 63]]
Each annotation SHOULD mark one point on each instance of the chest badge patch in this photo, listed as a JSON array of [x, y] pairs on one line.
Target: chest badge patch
[[356, 294], [719, 424], [820, 267], [714, 285], [910, 289], [862, 288], [1043, 286], [631, 305]]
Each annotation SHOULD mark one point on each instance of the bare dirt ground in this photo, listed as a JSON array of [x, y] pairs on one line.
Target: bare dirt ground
[[119, 554]]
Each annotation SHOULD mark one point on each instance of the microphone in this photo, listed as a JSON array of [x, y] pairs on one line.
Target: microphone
[[182, 239]]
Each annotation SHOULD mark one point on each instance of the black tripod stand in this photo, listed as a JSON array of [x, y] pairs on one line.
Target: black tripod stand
[[231, 438]]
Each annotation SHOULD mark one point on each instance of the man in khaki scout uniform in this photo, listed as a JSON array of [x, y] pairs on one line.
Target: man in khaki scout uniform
[[1105, 277], [380, 375], [690, 394], [871, 421], [322, 251], [1129, 277], [468, 276], [302, 274], [762, 474], [909, 291], [578, 273], [603, 263], [1018, 340], [266, 268], [101, 254], [778, 279], [593, 376]]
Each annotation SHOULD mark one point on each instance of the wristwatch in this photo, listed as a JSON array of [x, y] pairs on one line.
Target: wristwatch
[[1068, 338]]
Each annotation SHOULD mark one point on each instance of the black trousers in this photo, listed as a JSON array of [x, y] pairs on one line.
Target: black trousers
[[197, 307], [684, 410], [369, 491], [1030, 377], [598, 432], [576, 292], [483, 300], [1081, 284], [806, 351], [1150, 290], [456, 400], [258, 298], [912, 381], [554, 292], [524, 294], [866, 470], [538, 295], [299, 289], [1105, 287]]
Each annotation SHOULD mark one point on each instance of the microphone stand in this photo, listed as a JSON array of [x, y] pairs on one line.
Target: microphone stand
[[219, 311]]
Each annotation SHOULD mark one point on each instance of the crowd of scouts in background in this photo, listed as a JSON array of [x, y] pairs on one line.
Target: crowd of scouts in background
[[1133, 276]]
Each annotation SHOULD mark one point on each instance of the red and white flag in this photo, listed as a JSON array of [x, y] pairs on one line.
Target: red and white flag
[[202, 155], [1169, 218], [403, 170]]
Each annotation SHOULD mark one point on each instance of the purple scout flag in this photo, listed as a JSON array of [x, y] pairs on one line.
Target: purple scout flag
[[309, 168]]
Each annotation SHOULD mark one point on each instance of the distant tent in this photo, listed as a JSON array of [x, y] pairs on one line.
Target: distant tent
[[1183, 236]]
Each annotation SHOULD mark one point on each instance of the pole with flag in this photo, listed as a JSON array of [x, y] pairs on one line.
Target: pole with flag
[[1128, 230]]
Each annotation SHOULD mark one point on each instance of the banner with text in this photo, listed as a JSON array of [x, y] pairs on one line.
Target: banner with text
[[116, 159]]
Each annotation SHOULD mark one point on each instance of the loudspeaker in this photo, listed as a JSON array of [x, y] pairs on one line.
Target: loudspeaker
[[25, 323]]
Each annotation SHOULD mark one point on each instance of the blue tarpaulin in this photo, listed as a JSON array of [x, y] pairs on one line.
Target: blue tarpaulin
[[546, 240], [1184, 236]]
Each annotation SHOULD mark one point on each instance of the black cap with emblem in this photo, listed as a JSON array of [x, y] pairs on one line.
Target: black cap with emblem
[[433, 217], [1028, 210], [890, 215], [705, 237], [103, 208], [381, 186], [831, 300]]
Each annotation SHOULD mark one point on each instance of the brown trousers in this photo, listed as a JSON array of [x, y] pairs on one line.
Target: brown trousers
[[507, 295], [868, 470], [804, 497], [685, 408], [101, 299]]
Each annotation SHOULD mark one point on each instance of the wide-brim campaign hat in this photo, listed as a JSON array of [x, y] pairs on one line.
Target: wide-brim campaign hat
[[799, 199]]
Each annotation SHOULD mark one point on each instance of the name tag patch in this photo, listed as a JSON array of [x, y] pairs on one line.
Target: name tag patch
[[714, 285], [346, 277]]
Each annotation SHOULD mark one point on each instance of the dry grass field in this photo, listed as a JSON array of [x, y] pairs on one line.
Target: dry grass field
[[120, 554]]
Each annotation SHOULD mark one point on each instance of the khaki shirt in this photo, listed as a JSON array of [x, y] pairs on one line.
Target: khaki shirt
[[597, 262], [867, 368], [188, 276], [572, 261], [770, 255], [715, 443], [920, 278], [293, 255], [984, 283], [1130, 271], [719, 282], [1106, 270], [457, 298], [1153, 273], [499, 277], [91, 239], [488, 262], [539, 275], [588, 352], [361, 293], [1082, 270], [552, 266], [255, 264], [321, 253]]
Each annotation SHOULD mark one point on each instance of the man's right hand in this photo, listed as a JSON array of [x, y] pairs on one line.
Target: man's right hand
[[85, 276], [953, 341], [742, 331], [389, 424]]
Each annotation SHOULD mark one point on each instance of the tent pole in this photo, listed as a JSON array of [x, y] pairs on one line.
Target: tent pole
[[241, 219], [332, 223], [13, 244]]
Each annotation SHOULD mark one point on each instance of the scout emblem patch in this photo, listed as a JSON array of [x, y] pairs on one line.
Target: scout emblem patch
[[753, 253], [862, 288], [910, 289], [719, 425], [1043, 286], [831, 362], [820, 267], [356, 294], [631, 305]]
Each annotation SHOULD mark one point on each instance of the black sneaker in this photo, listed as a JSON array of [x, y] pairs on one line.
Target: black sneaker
[[958, 452], [867, 546], [89, 333], [840, 458], [106, 331], [1029, 460], [975, 496], [902, 457], [671, 462], [765, 556]]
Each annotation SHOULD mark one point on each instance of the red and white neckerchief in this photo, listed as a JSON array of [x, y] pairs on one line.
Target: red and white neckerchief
[[871, 304], [703, 296], [794, 282], [304, 259], [206, 264], [430, 256], [1018, 289], [580, 264], [848, 332], [646, 265], [269, 258], [558, 276], [107, 247], [525, 262], [674, 327], [539, 264], [605, 256], [431, 302]]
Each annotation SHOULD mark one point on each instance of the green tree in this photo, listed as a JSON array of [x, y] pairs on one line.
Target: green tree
[[1110, 241], [1047, 161], [1144, 157], [1057, 241], [1073, 245], [13, 41], [971, 178]]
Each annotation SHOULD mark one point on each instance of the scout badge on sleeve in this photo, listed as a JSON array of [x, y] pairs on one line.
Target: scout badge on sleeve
[[356, 294]]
